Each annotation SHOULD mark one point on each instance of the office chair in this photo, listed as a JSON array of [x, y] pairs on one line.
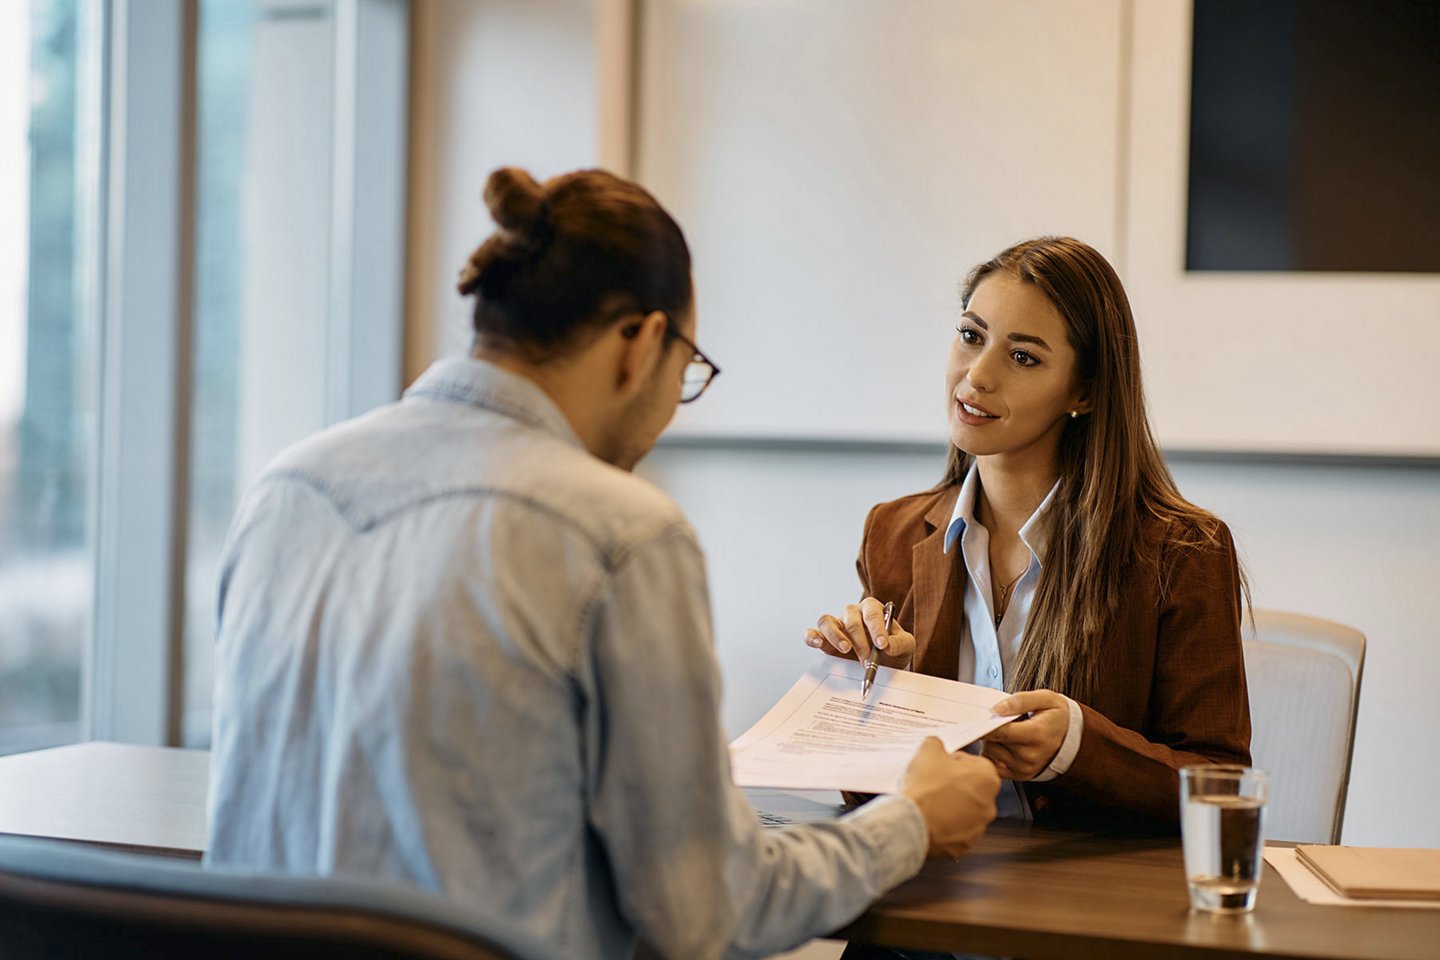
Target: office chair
[[1304, 679], [62, 899]]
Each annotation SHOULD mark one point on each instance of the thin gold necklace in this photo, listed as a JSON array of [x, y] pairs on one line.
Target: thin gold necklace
[[1003, 603]]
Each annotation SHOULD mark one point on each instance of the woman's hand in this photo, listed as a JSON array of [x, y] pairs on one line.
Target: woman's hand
[[859, 628], [1022, 749]]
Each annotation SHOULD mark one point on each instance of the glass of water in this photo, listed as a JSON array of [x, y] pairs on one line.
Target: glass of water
[[1222, 825]]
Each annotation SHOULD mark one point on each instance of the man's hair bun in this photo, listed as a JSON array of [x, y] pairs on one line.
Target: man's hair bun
[[568, 254], [516, 203]]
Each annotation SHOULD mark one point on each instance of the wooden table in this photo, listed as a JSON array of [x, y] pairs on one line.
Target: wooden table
[[1022, 892], [147, 799], [1047, 894]]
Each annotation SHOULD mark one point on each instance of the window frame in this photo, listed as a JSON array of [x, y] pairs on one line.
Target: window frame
[[133, 670]]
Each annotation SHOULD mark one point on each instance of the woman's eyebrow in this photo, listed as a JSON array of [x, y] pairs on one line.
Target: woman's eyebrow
[[1014, 337], [1028, 338]]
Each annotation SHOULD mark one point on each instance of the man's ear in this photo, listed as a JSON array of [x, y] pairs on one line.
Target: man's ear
[[642, 350]]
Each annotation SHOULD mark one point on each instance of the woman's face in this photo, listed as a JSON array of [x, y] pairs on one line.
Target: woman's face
[[1012, 376]]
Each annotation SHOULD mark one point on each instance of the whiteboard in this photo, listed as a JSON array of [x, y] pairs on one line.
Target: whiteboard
[[838, 167]]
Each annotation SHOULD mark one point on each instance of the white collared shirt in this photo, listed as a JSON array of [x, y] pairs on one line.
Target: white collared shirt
[[989, 656]]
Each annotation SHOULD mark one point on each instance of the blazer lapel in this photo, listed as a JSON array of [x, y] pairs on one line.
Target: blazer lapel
[[938, 594]]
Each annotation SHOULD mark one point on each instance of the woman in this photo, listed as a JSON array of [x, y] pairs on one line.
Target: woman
[[1058, 559]]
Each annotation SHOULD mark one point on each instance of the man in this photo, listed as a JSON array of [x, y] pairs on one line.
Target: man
[[462, 646]]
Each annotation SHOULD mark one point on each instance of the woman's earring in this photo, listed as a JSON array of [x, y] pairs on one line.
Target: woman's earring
[[1074, 414]]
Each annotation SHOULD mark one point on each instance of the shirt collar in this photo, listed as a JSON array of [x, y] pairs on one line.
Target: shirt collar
[[479, 383], [1032, 533], [964, 512]]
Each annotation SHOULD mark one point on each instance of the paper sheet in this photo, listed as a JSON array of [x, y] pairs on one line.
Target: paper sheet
[[1312, 889], [822, 736]]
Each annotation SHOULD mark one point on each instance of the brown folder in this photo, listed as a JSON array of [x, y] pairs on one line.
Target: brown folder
[[1375, 873]]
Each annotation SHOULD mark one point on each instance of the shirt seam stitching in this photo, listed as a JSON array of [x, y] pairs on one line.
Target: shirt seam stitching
[[613, 555], [484, 400]]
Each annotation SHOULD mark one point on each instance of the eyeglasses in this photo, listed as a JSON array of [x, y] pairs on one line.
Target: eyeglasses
[[698, 372]]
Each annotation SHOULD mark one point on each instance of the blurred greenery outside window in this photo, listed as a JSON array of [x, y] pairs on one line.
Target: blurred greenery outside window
[[49, 137], [50, 132], [292, 325]]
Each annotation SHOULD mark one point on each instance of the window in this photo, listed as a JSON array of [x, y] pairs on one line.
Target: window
[[295, 324], [224, 59], [49, 141], [229, 310]]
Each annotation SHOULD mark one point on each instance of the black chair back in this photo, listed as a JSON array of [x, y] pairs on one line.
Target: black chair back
[[61, 899]]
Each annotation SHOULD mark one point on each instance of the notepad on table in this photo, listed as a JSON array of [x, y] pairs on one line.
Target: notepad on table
[[1375, 873]]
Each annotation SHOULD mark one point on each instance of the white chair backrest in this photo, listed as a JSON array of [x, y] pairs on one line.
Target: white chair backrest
[[1304, 679]]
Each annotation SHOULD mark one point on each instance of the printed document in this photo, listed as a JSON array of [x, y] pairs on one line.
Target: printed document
[[822, 736]]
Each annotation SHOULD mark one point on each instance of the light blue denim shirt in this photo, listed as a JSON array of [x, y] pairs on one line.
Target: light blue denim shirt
[[456, 650]]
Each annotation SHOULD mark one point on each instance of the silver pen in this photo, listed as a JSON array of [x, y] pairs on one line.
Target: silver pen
[[874, 661]]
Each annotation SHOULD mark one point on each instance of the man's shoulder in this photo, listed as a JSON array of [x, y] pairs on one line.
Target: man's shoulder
[[340, 446], [383, 465], [616, 508]]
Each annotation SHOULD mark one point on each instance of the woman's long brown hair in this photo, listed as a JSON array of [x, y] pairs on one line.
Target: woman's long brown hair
[[1113, 479]]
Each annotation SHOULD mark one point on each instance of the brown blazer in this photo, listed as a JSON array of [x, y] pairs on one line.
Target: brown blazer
[[1172, 674]]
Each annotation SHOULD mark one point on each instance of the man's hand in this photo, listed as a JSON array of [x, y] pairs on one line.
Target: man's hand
[[1023, 749], [857, 629], [956, 794]]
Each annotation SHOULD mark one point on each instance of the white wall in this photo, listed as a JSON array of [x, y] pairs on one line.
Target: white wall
[[506, 81], [1360, 545], [834, 161], [286, 231], [493, 83], [838, 162], [1357, 544]]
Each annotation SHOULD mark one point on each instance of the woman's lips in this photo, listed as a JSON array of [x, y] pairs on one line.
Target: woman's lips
[[972, 414]]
